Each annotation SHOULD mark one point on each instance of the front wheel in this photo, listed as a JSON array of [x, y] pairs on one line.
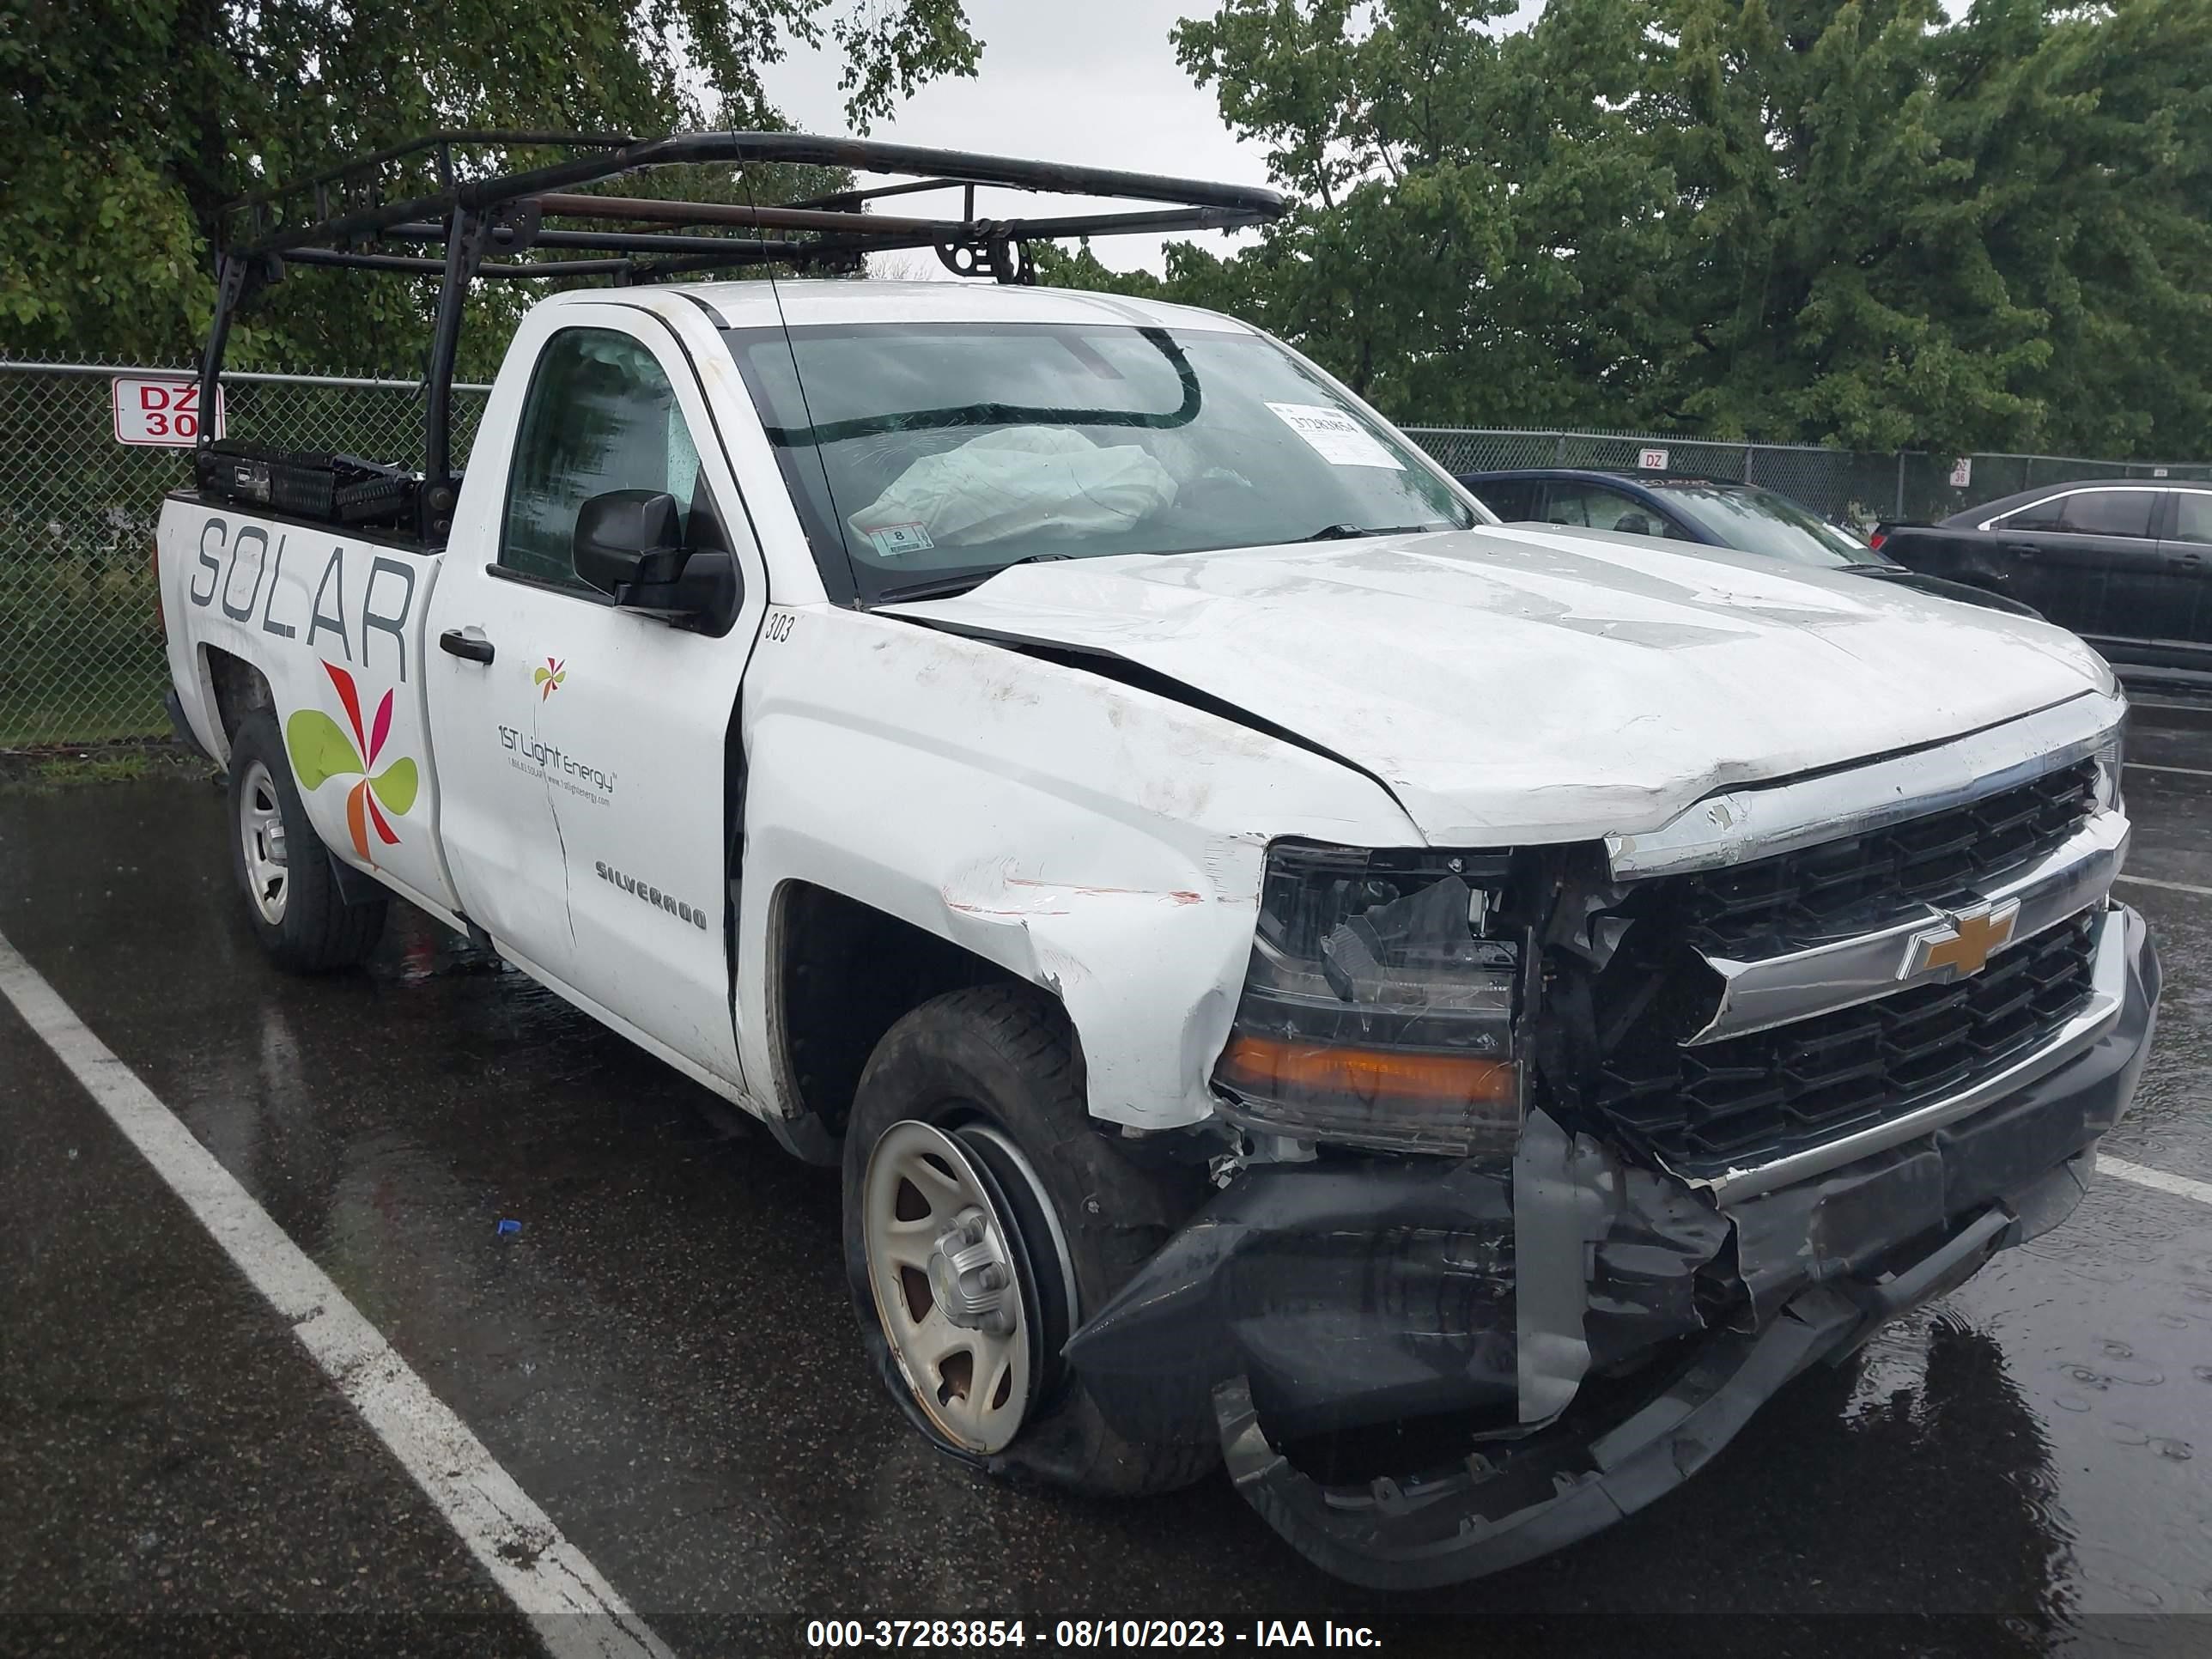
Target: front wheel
[[292, 897], [985, 1218]]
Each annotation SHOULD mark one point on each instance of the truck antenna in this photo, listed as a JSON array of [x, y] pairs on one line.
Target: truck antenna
[[799, 380]]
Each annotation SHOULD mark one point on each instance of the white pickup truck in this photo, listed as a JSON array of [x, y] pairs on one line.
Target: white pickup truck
[[1449, 1019]]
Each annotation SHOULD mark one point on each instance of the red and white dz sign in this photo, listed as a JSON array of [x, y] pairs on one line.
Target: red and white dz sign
[[160, 411]]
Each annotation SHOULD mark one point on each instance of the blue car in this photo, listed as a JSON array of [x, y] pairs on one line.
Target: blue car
[[1713, 512]]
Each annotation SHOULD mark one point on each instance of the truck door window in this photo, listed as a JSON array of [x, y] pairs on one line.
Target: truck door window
[[2110, 512], [600, 415]]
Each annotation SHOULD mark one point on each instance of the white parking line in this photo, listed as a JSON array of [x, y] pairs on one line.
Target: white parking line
[[2170, 886], [577, 1614], [2183, 771], [2181, 1185]]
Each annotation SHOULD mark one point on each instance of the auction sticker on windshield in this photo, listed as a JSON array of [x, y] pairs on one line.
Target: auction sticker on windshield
[[892, 539], [1335, 436]]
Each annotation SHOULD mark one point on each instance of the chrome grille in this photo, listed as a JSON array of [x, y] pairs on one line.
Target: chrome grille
[[1828, 890], [1753, 1098]]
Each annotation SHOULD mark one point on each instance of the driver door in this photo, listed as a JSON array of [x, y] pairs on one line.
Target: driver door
[[587, 761]]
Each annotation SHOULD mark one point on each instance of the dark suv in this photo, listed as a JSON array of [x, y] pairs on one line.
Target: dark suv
[[1713, 512], [2126, 566]]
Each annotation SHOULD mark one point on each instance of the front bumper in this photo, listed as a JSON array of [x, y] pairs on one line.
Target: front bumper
[[1314, 1298]]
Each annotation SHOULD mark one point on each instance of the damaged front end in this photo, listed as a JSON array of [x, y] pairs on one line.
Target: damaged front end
[[1550, 1172]]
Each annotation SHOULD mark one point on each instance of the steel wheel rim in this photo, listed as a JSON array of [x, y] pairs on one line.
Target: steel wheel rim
[[972, 1380], [261, 837], [1025, 1171]]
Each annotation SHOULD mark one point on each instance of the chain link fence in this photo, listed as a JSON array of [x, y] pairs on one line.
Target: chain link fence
[[81, 656]]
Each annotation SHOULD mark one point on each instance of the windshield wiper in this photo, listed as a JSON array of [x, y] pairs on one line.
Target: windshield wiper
[[1344, 532], [956, 582]]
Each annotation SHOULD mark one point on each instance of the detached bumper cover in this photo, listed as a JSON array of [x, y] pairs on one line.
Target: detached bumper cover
[[1309, 1298], [1483, 1515]]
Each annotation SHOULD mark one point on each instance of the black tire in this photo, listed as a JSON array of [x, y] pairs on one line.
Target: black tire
[[1003, 1056], [316, 931]]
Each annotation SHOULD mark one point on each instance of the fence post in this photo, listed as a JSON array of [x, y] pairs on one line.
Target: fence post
[[1900, 484], [1559, 451]]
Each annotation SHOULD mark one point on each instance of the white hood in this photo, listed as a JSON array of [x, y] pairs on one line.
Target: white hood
[[1517, 686]]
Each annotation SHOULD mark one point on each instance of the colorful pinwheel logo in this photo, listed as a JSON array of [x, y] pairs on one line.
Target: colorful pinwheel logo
[[320, 751], [550, 677]]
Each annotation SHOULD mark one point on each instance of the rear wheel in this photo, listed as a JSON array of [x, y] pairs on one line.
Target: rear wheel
[[985, 1218], [292, 897]]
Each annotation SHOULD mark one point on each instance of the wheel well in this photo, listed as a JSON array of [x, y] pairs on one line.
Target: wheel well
[[842, 973], [239, 688]]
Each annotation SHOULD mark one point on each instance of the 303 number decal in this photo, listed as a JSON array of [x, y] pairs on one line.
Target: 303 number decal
[[779, 625]]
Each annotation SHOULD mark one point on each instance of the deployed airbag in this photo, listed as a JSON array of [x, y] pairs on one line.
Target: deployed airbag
[[1015, 482]]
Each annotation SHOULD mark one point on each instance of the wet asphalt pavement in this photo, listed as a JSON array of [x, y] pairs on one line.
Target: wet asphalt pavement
[[664, 1357]]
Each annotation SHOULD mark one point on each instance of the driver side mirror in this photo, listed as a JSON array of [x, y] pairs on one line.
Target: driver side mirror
[[627, 539], [629, 545]]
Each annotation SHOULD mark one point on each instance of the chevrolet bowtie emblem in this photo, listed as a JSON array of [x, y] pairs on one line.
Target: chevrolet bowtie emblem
[[1962, 942]]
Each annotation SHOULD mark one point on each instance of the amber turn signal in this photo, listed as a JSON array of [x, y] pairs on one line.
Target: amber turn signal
[[1271, 1068]]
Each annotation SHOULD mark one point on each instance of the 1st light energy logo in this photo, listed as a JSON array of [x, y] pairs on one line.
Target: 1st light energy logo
[[548, 679], [556, 765]]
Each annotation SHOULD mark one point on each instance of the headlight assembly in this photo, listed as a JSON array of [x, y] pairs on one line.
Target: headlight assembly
[[2112, 759], [1380, 1005]]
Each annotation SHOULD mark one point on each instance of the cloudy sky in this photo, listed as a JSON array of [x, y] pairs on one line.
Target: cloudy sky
[[1062, 80]]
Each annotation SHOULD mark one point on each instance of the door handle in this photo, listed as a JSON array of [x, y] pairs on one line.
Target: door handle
[[2189, 561], [454, 643], [2021, 549]]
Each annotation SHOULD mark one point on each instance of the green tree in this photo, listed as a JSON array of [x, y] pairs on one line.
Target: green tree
[[1843, 221], [129, 123]]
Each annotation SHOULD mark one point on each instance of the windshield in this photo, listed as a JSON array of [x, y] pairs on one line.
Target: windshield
[[927, 456], [1758, 521]]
